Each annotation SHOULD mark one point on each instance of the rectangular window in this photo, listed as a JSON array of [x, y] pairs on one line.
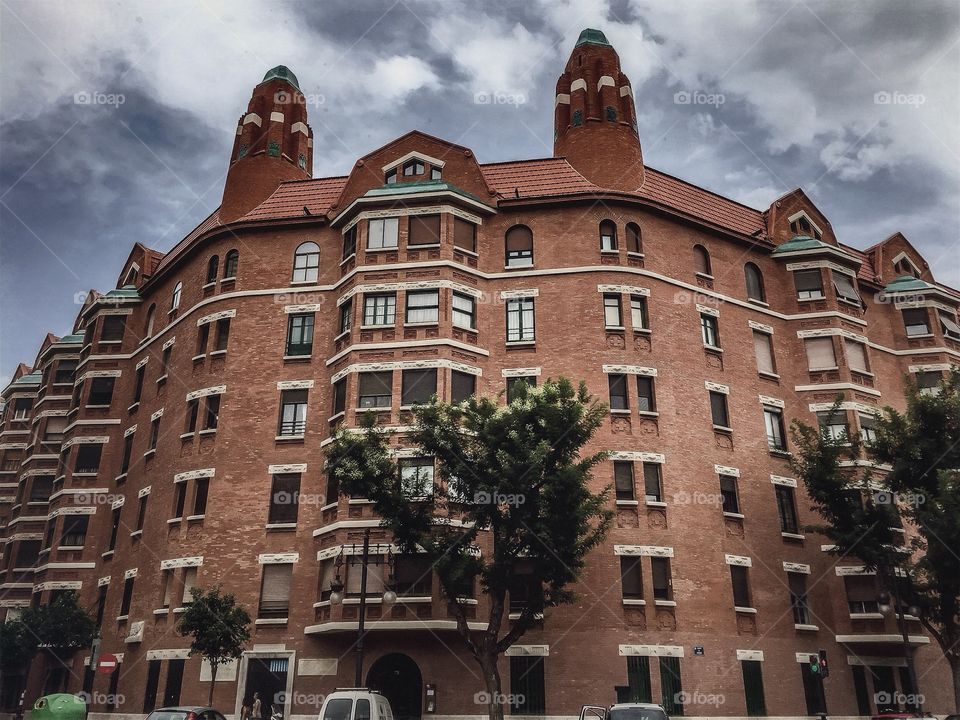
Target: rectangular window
[[112, 328], [718, 409], [671, 686], [462, 386], [101, 607], [166, 592], [843, 286], [165, 362], [929, 382], [153, 681], [776, 434], [527, 685], [416, 477], [284, 499], [212, 417], [464, 235], [275, 591], [638, 312], [154, 433], [189, 581], [820, 353], [638, 680], [662, 579], [138, 384], [380, 309], [101, 391], [740, 578], [179, 499], [753, 687], [28, 552], [631, 577], [948, 323], [382, 233], [66, 372], [916, 321], [514, 382], [652, 482], [193, 410], [339, 396], [646, 398], [834, 425], [424, 230], [414, 576], [464, 311], [346, 316], [349, 242], [520, 320], [623, 479], [618, 391], [856, 355], [171, 693], [710, 330], [53, 429], [222, 336], [868, 428], [798, 598], [203, 336], [376, 389], [293, 413], [728, 491], [809, 284], [423, 306], [418, 386], [300, 334], [88, 458], [142, 512], [200, 491], [612, 312], [862, 593], [787, 509], [40, 488], [22, 408], [74, 530], [763, 349]]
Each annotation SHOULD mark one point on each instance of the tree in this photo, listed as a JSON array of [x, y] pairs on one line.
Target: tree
[[516, 484], [921, 448], [58, 628], [17, 648], [219, 628]]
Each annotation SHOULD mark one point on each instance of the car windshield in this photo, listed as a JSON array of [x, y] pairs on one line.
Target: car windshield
[[338, 709], [167, 715], [637, 713]]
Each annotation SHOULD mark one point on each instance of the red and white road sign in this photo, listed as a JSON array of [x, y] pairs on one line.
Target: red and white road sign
[[107, 663]]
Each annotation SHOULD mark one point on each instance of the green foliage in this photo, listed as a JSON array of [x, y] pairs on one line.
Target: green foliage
[[517, 487], [217, 626], [61, 627], [17, 646]]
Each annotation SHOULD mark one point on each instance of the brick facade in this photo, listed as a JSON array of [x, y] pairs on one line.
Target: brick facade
[[585, 647]]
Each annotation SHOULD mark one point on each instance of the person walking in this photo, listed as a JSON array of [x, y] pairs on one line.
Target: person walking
[[256, 708]]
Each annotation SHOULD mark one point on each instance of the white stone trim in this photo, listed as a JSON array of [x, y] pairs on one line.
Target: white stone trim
[[771, 401], [73, 510], [278, 558], [118, 503], [194, 474], [846, 405], [215, 390], [169, 343], [287, 468], [717, 387], [307, 308], [144, 492], [562, 99], [520, 372], [578, 84], [726, 470], [105, 580], [785, 481], [630, 370], [792, 567], [435, 162], [131, 573], [814, 264], [406, 365], [874, 660], [129, 431], [90, 374], [760, 327], [173, 563], [803, 214], [142, 363], [625, 90], [407, 286], [528, 650], [740, 560], [707, 310], [410, 211], [844, 570], [624, 289], [58, 585], [933, 367], [830, 332], [649, 457], [299, 127], [650, 650], [252, 118], [750, 655], [85, 440], [317, 666], [519, 294], [295, 385], [157, 415], [276, 116], [213, 317], [605, 80], [176, 654], [642, 551]]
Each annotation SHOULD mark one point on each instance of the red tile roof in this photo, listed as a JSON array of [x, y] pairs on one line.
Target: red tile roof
[[212, 221], [290, 198], [536, 178], [866, 271]]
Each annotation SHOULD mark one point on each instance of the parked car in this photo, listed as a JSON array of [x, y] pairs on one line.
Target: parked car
[[624, 711], [355, 704], [187, 712]]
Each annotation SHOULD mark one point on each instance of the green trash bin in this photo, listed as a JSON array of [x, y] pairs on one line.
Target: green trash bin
[[59, 706]]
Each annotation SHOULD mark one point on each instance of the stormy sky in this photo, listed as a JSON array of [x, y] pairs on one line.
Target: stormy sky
[[117, 118]]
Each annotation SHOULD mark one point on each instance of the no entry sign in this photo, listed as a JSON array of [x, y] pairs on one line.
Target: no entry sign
[[107, 663]]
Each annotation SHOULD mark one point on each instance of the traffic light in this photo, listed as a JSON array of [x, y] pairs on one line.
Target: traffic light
[[815, 665], [824, 668]]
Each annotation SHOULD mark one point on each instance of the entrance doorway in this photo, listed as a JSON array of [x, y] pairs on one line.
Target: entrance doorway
[[398, 678], [268, 677]]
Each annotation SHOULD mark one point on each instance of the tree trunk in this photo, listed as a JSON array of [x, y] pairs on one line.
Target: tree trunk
[[491, 677], [213, 682]]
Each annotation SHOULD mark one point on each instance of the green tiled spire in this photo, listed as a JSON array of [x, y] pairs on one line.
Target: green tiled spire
[[283, 73]]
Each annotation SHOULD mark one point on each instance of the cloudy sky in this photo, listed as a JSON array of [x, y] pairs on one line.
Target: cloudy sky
[[856, 102]]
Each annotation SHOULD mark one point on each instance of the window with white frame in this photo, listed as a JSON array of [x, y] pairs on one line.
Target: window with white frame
[[520, 320], [293, 413], [638, 312], [916, 321], [275, 591], [464, 314], [843, 285], [612, 311], [376, 389], [652, 482], [820, 353], [710, 330], [763, 350], [380, 309], [306, 262], [776, 432], [868, 427], [382, 233], [416, 477], [809, 284], [423, 306], [856, 355]]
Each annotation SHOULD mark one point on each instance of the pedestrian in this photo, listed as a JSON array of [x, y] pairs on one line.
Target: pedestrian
[[255, 710], [245, 710]]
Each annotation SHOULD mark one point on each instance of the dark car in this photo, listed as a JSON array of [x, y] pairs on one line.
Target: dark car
[[186, 712]]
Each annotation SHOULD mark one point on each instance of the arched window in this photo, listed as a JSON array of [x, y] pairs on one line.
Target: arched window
[[608, 235], [148, 326], [230, 264], [175, 300], [306, 262], [701, 260], [634, 239], [519, 246], [754, 280], [212, 266]]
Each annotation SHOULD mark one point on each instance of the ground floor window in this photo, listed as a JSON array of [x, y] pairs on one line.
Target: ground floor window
[[527, 685], [671, 687], [638, 680], [753, 687]]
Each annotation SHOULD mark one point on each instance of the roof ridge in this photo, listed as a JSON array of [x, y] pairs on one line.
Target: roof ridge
[[514, 162], [319, 179], [704, 189]]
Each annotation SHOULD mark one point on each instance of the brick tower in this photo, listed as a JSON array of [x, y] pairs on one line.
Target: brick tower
[[595, 122], [273, 144]]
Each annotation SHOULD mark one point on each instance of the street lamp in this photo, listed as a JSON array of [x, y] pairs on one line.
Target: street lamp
[[367, 555]]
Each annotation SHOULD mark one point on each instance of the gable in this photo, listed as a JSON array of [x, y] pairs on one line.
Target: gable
[[795, 214]]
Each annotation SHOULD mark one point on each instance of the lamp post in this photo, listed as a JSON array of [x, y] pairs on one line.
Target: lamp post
[[389, 596], [899, 612]]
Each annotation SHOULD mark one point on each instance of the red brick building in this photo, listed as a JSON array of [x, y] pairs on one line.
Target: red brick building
[[144, 452]]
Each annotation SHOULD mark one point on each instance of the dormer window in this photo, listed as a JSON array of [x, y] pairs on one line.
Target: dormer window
[[802, 225], [391, 177], [413, 167], [902, 265], [436, 173]]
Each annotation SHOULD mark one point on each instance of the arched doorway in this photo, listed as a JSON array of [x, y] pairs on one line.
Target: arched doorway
[[398, 678]]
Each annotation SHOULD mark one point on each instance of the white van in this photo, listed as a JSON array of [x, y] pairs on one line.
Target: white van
[[355, 704]]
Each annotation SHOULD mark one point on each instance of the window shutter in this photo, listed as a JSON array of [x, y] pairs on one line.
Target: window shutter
[[376, 383], [519, 239], [820, 354], [463, 386], [418, 386], [763, 351], [189, 580], [167, 587], [275, 591], [464, 235], [856, 355], [843, 285], [424, 230]]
